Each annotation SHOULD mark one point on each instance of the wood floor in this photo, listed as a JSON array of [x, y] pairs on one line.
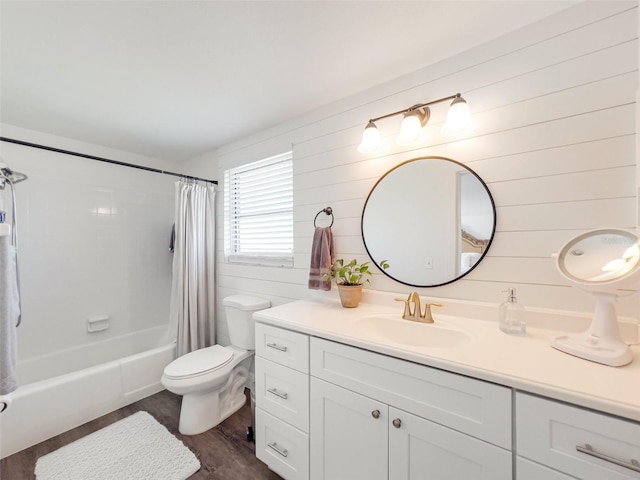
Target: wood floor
[[223, 451]]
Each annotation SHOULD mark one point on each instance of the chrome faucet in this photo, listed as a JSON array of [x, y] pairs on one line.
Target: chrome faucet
[[416, 314]]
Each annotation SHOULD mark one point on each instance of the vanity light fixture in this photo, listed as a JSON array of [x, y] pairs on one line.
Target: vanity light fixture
[[414, 119]]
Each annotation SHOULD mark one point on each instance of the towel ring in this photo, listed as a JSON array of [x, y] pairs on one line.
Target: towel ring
[[328, 211]]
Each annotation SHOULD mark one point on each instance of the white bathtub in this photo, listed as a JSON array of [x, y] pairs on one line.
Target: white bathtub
[[61, 391]]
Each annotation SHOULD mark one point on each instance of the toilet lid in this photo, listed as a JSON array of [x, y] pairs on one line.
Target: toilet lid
[[199, 362]]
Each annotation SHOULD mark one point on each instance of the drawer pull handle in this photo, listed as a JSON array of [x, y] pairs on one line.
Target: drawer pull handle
[[278, 449], [275, 392], [397, 422], [275, 346], [375, 414], [588, 449]]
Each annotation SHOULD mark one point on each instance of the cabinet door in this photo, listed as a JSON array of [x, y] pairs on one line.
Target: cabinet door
[[420, 449], [349, 435]]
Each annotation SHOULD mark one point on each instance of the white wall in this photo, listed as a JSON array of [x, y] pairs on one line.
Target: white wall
[[93, 240], [554, 106]]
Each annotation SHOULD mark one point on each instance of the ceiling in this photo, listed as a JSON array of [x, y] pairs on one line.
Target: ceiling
[[175, 79]]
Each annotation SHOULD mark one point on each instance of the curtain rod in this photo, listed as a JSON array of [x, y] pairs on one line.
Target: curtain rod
[[101, 159]]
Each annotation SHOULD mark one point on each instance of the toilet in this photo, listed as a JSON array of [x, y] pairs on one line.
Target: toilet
[[212, 379]]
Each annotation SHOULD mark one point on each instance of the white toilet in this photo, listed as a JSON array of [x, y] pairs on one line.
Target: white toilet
[[212, 379]]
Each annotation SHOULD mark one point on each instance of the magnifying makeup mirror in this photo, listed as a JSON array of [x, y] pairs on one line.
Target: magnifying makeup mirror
[[605, 263]]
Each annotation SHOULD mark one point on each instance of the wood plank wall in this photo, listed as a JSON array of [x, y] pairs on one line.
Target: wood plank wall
[[554, 106]]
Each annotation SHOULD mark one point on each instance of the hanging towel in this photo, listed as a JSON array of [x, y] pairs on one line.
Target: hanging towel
[[322, 257], [9, 313]]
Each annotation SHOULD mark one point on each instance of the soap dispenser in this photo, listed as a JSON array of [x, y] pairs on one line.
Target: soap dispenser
[[512, 315]]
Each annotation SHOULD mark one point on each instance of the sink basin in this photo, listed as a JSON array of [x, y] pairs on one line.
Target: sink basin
[[407, 332]]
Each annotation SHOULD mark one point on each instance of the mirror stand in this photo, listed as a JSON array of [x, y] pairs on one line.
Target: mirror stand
[[605, 263], [602, 342]]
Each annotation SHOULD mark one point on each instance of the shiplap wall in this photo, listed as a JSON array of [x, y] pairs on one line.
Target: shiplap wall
[[554, 109]]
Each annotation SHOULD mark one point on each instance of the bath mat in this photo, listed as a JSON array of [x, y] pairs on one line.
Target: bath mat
[[136, 448]]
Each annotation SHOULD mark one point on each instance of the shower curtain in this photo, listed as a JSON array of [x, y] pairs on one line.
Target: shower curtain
[[192, 288]]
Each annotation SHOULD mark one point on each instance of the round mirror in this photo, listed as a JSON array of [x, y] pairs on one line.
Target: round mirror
[[596, 259], [605, 263], [433, 220]]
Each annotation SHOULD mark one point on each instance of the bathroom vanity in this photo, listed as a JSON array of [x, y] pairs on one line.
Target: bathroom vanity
[[362, 394]]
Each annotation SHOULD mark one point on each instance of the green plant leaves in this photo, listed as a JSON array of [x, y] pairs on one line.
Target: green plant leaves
[[351, 273]]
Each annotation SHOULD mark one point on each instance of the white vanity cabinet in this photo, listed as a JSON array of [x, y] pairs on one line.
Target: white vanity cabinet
[[378, 417], [330, 411], [282, 401], [578, 442]]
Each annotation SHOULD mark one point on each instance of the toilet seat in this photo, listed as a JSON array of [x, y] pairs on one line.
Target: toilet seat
[[199, 362]]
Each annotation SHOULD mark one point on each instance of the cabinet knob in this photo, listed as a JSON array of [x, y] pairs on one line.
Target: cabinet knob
[[397, 422], [375, 414]]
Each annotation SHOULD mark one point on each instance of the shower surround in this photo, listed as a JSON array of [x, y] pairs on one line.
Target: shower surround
[[95, 265]]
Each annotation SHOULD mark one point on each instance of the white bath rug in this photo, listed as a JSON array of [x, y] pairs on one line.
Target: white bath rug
[[136, 448]]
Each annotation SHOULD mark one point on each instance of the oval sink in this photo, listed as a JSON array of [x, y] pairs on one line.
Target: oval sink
[[407, 332]]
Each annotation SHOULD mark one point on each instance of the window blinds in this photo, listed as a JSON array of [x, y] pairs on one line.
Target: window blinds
[[259, 212]]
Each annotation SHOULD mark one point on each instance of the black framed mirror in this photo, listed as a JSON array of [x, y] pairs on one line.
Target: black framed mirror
[[432, 218]]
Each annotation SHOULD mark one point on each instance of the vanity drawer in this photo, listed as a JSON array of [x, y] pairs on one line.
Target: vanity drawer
[[283, 392], [474, 407], [285, 347], [283, 448], [551, 432], [526, 470]]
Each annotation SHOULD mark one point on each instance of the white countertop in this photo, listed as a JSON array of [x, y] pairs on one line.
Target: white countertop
[[524, 363]]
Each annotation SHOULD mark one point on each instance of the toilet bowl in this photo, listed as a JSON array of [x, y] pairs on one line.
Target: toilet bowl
[[211, 380]]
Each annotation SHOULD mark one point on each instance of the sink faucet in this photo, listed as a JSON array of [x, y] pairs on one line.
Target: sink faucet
[[416, 314], [417, 311]]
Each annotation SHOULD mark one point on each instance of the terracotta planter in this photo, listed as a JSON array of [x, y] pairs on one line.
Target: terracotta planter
[[350, 295]]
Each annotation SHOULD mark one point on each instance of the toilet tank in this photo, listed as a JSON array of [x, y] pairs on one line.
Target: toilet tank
[[239, 310]]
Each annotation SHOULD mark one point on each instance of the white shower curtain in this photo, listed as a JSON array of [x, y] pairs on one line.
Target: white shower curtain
[[192, 288]]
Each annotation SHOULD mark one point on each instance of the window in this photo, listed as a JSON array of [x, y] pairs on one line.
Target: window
[[258, 201]]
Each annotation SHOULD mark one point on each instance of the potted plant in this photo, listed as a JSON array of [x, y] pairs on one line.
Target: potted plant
[[350, 278]]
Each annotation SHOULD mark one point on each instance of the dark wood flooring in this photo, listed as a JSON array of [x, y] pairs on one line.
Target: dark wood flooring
[[223, 451]]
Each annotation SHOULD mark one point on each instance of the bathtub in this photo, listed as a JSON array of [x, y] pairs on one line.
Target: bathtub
[[63, 390]]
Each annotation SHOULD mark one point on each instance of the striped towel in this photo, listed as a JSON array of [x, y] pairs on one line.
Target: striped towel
[[322, 257]]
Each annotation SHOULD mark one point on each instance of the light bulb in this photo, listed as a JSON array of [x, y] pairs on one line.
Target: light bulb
[[409, 128], [458, 117], [412, 123], [370, 139]]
